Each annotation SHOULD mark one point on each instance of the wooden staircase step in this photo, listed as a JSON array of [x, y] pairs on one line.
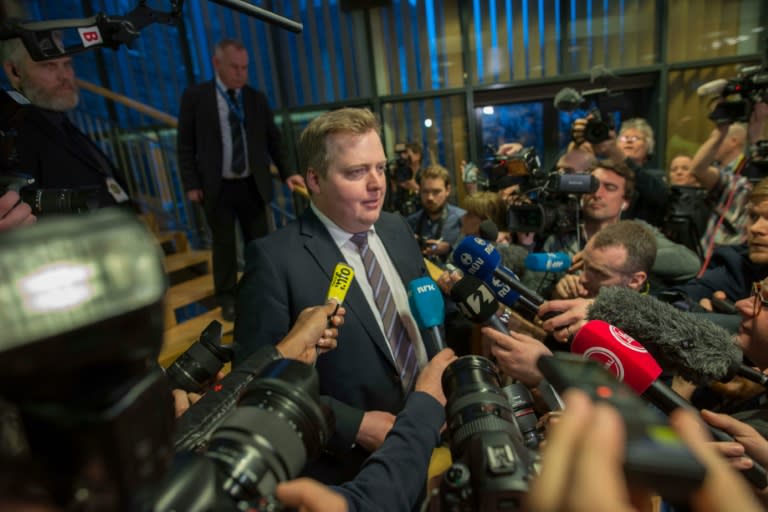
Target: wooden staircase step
[[179, 261], [187, 292], [180, 337], [179, 239]]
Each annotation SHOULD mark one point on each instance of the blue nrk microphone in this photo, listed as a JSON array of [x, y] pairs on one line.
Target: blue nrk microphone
[[548, 261], [428, 307]]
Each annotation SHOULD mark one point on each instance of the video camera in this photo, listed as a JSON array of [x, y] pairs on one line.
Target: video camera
[[552, 204], [81, 307], [738, 95]]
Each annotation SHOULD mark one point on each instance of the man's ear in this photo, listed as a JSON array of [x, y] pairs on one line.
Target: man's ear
[[637, 281], [12, 73], [312, 180]]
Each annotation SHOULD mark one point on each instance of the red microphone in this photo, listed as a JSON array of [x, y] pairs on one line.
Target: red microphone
[[631, 363], [619, 352]]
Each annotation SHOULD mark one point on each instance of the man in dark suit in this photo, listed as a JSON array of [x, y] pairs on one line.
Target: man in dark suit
[[380, 349], [226, 138], [49, 147]]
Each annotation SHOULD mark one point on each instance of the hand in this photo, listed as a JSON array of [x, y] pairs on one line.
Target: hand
[[573, 315], [447, 279], [430, 378], [436, 247], [312, 331], [747, 438], [295, 180], [517, 355], [195, 195], [569, 287], [374, 428], [707, 304], [608, 147], [14, 212], [309, 495], [509, 148], [577, 263], [723, 488], [183, 400], [582, 464]]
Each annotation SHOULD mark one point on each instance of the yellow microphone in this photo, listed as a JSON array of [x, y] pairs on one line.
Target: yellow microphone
[[341, 280]]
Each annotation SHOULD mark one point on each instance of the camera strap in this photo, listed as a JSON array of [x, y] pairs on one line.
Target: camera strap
[[423, 222]]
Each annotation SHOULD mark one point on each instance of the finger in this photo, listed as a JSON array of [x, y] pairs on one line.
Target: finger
[[728, 449], [551, 488], [598, 479], [728, 423], [193, 397], [723, 489]]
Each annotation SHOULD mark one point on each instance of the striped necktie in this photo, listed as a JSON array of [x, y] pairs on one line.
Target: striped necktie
[[238, 145], [397, 336]]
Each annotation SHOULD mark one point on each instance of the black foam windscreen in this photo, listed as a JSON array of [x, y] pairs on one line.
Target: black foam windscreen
[[698, 350]]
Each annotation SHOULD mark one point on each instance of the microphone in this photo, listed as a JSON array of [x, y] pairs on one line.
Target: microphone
[[698, 350], [428, 307], [568, 99], [488, 231], [713, 87], [341, 280], [548, 261], [631, 363], [477, 302], [480, 258]]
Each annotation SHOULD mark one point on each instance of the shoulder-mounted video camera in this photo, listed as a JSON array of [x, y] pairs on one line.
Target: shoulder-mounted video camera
[[737, 96]]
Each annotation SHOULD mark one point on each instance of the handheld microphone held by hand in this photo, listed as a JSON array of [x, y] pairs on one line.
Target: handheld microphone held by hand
[[631, 363], [655, 457], [698, 350], [340, 283], [428, 308], [479, 258], [341, 280], [477, 302], [548, 261]]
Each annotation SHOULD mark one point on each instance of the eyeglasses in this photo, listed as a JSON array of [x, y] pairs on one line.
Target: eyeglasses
[[760, 300], [630, 138]]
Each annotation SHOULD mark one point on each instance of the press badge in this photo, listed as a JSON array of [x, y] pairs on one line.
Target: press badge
[[116, 191]]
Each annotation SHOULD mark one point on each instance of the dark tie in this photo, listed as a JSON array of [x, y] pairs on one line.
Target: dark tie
[[236, 127], [397, 336]]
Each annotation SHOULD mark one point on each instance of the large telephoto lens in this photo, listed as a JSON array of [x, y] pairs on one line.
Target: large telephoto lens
[[475, 401], [278, 425]]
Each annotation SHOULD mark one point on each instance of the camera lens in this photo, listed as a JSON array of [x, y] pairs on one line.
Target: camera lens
[[278, 426], [522, 404], [475, 401], [596, 132], [198, 366]]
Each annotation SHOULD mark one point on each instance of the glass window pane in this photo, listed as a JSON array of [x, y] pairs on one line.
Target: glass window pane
[[417, 46], [439, 125], [716, 28], [523, 39]]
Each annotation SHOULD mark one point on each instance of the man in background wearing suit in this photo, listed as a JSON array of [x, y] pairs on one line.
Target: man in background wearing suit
[[226, 138], [49, 147], [380, 349]]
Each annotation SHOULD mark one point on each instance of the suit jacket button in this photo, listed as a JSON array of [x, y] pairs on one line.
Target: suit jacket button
[[396, 378]]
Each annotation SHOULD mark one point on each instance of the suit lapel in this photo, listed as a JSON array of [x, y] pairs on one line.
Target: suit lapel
[[55, 133], [323, 249]]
